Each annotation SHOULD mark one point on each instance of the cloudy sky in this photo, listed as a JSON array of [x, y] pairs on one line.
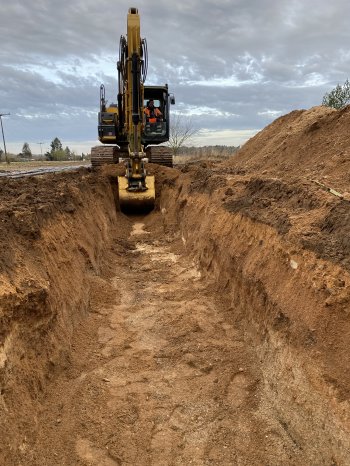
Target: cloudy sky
[[233, 65]]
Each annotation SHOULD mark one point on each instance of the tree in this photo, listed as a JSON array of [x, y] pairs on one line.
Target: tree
[[56, 145], [339, 97], [56, 152], [68, 153], [26, 152], [1, 154], [181, 131]]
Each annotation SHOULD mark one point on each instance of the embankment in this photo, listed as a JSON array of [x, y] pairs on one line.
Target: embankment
[[290, 305], [56, 231]]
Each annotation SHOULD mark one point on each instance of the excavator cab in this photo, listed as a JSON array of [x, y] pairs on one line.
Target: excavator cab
[[157, 132]]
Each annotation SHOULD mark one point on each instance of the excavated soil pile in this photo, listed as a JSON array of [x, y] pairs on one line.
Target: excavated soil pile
[[214, 331]]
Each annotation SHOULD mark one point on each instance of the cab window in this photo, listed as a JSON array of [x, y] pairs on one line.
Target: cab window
[[156, 102]]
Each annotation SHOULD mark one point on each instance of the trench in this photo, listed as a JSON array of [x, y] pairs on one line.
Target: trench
[[169, 342]]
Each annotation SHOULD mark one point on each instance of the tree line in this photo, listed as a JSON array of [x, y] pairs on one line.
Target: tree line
[[208, 151], [56, 152]]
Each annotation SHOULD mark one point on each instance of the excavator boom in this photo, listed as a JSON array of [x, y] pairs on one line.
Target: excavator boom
[[135, 189]]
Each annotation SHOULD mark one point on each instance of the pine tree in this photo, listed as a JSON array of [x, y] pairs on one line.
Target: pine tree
[[56, 152], [26, 152], [68, 153]]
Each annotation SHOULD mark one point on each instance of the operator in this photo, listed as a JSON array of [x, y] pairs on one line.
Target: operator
[[153, 114]]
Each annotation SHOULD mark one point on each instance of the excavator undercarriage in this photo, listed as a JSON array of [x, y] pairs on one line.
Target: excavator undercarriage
[[160, 154], [101, 155]]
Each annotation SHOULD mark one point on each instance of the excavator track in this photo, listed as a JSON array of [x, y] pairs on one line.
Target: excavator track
[[160, 154], [102, 155]]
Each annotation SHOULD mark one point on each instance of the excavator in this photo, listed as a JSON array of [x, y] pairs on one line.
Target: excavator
[[124, 128]]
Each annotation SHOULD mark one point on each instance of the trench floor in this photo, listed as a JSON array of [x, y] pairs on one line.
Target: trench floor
[[159, 372]]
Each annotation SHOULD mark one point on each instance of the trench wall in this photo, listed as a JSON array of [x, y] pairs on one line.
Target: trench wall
[[277, 295], [56, 243]]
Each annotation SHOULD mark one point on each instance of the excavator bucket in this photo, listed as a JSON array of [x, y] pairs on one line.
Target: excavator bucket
[[139, 201]]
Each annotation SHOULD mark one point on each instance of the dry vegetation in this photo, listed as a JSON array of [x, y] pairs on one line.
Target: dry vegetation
[[210, 153], [28, 165]]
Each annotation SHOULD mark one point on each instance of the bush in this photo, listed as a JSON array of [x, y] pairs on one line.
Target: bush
[[339, 97]]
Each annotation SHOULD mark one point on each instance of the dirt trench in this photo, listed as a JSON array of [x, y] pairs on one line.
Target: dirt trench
[[190, 336]]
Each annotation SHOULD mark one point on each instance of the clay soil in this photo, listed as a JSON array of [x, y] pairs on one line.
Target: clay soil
[[213, 331]]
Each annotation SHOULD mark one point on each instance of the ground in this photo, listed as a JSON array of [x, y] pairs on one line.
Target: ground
[[19, 166], [159, 373], [213, 331]]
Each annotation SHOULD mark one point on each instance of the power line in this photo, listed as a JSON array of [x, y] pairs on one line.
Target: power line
[[41, 148], [3, 136]]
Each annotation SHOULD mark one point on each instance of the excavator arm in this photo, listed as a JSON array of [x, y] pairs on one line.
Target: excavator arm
[[136, 189], [121, 126]]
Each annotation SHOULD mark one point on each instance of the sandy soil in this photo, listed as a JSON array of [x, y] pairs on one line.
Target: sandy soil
[[214, 331], [160, 374]]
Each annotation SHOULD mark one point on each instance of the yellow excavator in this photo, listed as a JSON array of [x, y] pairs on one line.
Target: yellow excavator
[[124, 128]]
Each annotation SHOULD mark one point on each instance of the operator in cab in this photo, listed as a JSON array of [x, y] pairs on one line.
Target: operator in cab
[[153, 114]]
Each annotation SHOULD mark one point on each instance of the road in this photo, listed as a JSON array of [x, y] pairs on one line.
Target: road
[[38, 171]]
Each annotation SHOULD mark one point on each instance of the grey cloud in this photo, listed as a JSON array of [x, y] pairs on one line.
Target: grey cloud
[[280, 55]]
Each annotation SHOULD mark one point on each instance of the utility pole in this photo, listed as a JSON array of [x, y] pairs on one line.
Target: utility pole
[[41, 148], [3, 137]]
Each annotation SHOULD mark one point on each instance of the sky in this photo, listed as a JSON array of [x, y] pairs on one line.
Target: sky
[[233, 65]]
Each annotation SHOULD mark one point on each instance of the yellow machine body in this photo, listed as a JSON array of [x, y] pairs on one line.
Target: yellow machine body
[[136, 190], [124, 128], [133, 49]]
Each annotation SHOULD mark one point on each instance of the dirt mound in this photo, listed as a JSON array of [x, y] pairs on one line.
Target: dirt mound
[[294, 175], [304, 144]]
